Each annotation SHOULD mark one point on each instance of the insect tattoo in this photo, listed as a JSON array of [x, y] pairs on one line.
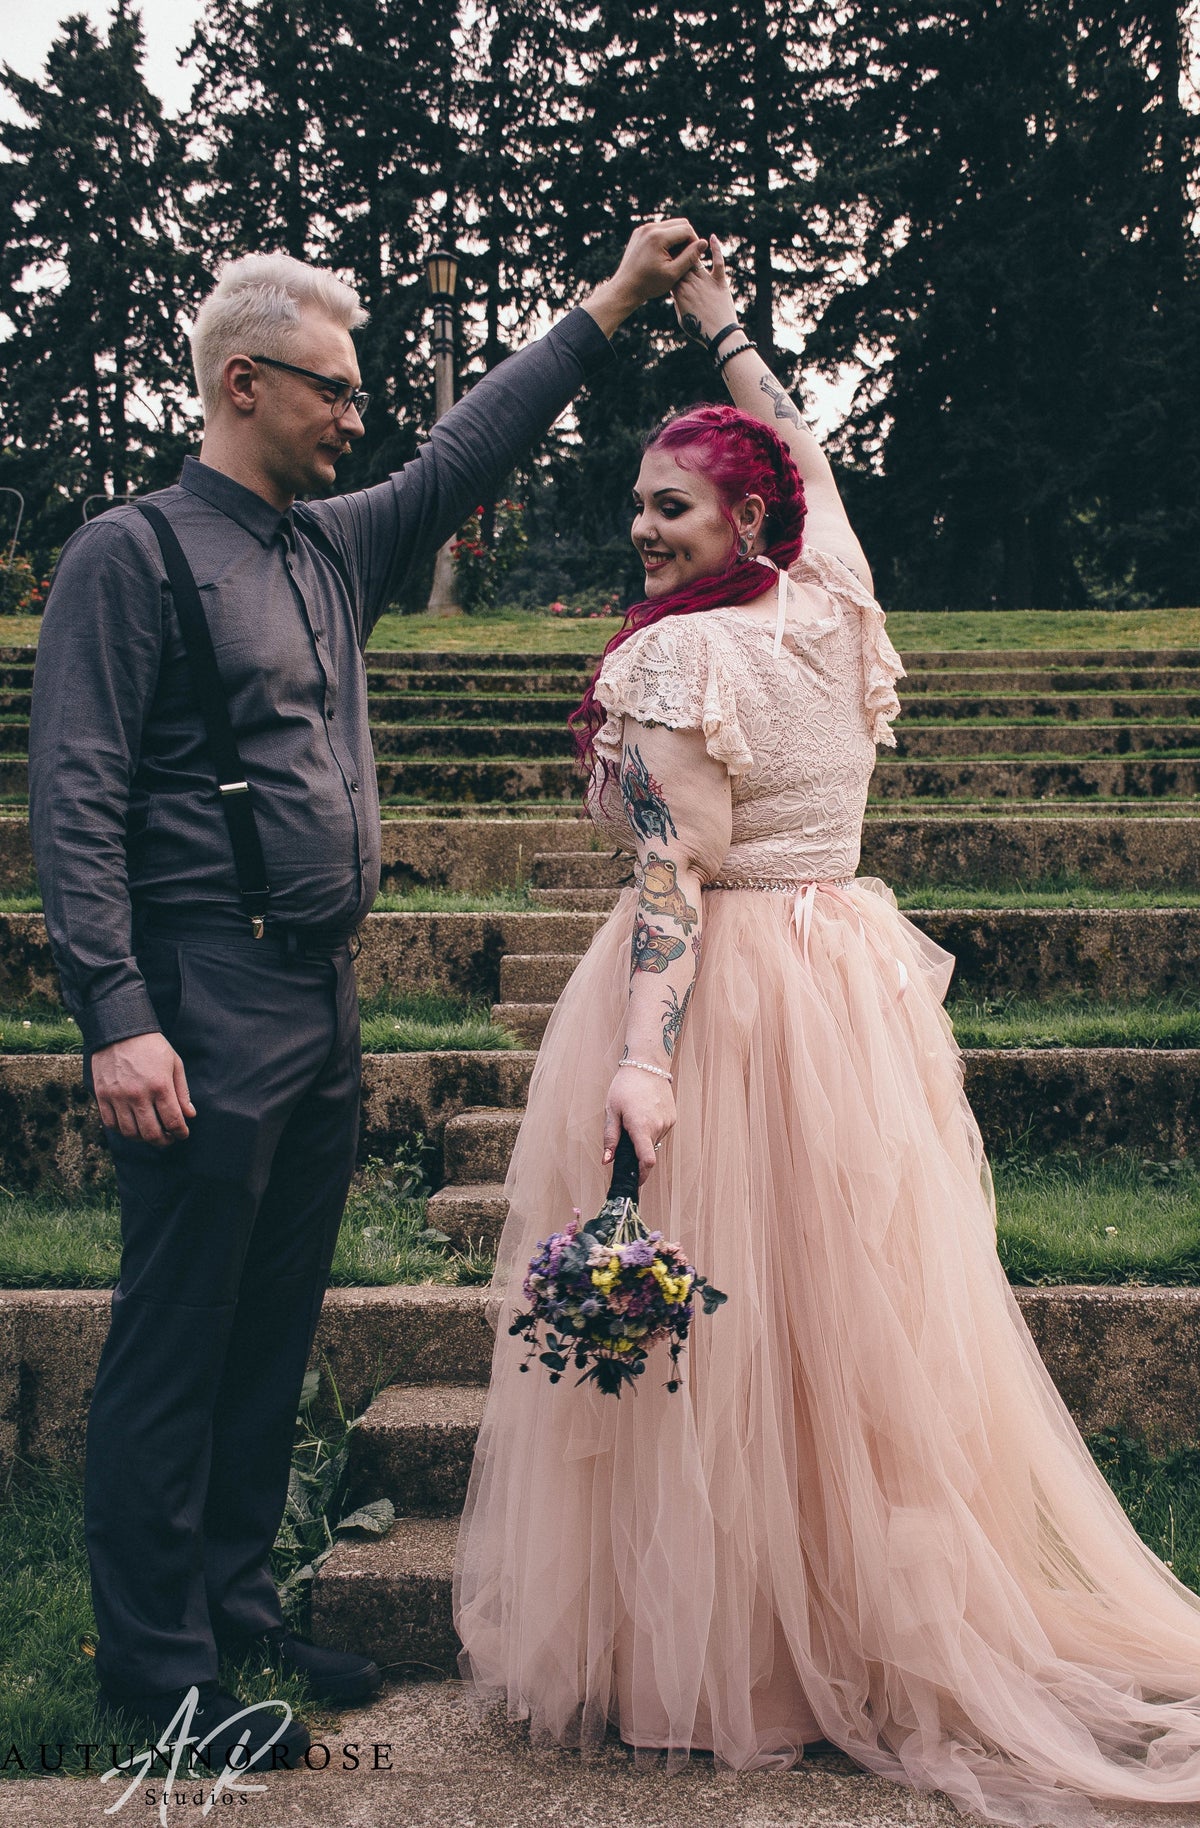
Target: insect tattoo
[[645, 807], [661, 893], [783, 406], [673, 1021], [652, 950]]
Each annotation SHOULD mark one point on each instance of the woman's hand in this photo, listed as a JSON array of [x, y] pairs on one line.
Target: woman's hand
[[643, 1105], [702, 298]]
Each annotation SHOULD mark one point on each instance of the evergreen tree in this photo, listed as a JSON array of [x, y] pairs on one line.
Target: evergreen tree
[[1003, 168], [329, 133], [95, 372]]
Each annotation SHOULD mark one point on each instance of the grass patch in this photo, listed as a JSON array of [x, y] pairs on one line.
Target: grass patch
[[1118, 1220], [1078, 1021], [1043, 892], [920, 631], [420, 1023], [38, 1028], [1048, 892], [515, 900], [48, 1695], [952, 631], [50, 1241], [391, 1024], [1161, 1498]]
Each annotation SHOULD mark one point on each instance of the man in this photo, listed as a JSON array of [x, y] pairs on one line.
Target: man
[[224, 1053]]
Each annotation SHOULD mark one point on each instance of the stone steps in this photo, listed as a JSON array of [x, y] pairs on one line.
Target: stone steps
[[391, 1599], [469, 1104], [1120, 1356], [471, 710], [462, 742], [1043, 952], [393, 1596], [414, 1445], [473, 853], [501, 781], [1089, 1099]]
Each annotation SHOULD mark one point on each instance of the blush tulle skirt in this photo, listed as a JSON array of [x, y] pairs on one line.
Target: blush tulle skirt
[[867, 1516]]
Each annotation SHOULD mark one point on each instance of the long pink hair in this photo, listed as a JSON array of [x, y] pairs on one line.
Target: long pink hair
[[741, 456]]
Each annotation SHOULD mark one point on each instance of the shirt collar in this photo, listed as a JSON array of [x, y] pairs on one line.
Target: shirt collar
[[242, 505]]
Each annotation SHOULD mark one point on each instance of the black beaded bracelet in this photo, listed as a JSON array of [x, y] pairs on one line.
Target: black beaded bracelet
[[730, 353], [714, 342]]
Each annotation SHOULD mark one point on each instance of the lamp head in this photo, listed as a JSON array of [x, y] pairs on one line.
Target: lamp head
[[441, 271]]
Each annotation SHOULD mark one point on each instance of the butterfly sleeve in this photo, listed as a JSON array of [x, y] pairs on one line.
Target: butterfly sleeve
[[677, 673]]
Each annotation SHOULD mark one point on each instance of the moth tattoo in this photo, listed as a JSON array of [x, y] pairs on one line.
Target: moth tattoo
[[652, 950]]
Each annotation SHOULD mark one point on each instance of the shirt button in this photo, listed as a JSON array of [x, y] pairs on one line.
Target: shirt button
[[354, 786]]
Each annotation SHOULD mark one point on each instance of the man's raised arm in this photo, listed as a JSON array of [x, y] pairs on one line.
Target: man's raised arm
[[387, 529]]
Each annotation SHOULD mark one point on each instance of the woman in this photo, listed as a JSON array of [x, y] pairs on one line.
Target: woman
[[867, 1517]]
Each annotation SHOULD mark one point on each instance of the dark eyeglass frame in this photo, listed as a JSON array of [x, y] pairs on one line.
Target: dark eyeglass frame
[[347, 396]]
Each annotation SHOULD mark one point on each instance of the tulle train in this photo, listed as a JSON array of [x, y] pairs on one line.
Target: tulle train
[[868, 1515]]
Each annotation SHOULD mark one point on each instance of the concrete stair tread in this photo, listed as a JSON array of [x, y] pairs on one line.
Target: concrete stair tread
[[471, 1214], [414, 1445], [527, 1021], [423, 1408], [391, 1596]]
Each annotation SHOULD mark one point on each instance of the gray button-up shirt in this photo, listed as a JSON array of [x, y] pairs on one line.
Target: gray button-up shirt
[[123, 795]]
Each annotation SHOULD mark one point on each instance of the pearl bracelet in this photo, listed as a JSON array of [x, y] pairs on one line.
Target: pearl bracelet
[[644, 1066]]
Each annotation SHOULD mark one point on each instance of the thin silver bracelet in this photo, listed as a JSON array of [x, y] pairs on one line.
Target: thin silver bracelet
[[643, 1066]]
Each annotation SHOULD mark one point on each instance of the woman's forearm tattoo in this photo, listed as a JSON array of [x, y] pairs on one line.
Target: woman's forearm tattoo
[[652, 950], [645, 808], [783, 406], [661, 893]]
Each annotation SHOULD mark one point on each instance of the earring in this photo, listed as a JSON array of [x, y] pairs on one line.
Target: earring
[[743, 547]]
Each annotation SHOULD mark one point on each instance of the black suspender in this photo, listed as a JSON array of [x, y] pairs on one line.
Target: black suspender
[[234, 789]]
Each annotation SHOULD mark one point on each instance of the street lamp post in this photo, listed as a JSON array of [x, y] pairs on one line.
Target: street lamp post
[[441, 271]]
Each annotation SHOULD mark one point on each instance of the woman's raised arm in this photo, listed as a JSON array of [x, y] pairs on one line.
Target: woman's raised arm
[[704, 306]]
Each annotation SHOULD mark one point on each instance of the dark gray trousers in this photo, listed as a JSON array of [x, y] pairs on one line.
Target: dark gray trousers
[[227, 1240]]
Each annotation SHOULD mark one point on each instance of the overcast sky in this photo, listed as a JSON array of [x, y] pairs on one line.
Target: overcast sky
[[30, 29]]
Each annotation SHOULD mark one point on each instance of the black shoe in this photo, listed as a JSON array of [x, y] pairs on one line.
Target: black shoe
[[218, 1721], [338, 1677]]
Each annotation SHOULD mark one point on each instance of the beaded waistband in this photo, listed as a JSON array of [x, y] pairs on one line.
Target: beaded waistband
[[779, 885]]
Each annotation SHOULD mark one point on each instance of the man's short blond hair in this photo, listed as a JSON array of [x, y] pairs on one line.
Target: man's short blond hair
[[255, 309]]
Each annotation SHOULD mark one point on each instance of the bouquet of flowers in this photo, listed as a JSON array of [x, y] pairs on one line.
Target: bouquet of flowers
[[607, 1291]]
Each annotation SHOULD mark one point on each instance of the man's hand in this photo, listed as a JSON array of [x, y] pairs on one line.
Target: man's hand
[[141, 1089], [657, 257]]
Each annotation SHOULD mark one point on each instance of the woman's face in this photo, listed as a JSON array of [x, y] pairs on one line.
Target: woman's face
[[679, 526]]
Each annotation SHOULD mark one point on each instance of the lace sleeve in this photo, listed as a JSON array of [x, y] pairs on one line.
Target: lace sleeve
[[882, 665], [677, 673]]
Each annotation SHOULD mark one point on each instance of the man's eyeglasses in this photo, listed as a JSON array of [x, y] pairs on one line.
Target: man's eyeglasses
[[344, 396]]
